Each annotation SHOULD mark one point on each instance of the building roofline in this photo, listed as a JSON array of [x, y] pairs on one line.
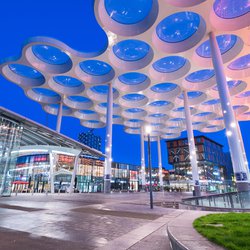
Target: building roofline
[[26, 121], [184, 138]]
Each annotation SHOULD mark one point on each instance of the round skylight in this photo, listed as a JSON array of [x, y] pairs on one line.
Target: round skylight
[[234, 9], [67, 81], [200, 76], [169, 64], [45, 92], [132, 78], [128, 12], [95, 67], [163, 87], [131, 50], [50, 55], [225, 43], [178, 27], [240, 63], [25, 71]]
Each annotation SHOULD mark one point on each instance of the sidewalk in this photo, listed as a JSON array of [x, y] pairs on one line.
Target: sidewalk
[[91, 221]]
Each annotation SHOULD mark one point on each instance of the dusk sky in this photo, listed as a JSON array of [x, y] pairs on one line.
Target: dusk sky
[[73, 23]]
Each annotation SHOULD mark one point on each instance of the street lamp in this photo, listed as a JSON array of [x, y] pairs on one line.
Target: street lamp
[[148, 131]]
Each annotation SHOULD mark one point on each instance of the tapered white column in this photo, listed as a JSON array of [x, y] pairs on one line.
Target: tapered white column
[[229, 118], [59, 117], [108, 145], [191, 145], [243, 151], [143, 178], [160, 162], [52, 162], [73, 177]]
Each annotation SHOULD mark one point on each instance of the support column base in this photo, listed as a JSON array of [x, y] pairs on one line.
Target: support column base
[[197, 191], [107, 187], [242, 186]]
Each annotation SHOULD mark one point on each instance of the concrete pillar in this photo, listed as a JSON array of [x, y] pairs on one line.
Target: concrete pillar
[[243, 151], [59, 117], [108, 144], [160, 162], [191, 145], [143, 178], [52, 162], [229, 118], [71, 190]]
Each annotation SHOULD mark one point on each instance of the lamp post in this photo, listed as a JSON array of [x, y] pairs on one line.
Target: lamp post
[[148, 130]]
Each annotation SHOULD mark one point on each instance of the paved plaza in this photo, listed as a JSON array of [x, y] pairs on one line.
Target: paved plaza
[[85, 221]]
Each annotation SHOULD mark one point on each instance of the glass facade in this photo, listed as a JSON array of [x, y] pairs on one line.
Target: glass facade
[[211, 162], [31, 173], [10, 132]]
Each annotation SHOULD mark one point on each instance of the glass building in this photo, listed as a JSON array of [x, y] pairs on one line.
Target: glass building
[[211, 162]]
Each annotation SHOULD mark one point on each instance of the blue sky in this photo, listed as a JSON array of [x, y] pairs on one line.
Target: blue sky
[[73, 23]]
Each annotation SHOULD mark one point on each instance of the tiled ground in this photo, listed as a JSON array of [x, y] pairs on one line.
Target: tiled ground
[[81, 221]]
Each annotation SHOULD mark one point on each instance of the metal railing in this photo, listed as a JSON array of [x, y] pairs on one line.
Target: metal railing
[[234, 200]]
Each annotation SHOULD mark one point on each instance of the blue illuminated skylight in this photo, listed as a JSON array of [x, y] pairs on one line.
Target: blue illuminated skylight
[[225, 43], [131, 50], [178, 27], [163, 87], [25, 71], [219, 118], [50, 55], [203, 114], [159, 103], [133, 97], [169, 64], [95, 67], [192, 94], [101, 89], [134, 110], [230, 84], [176, 119], [132, 78], [45, 92], [135, 120], [105, 105], [93, 121], [211, 102], [200, 76], [158, 115], [240, 63], [87, 112], [67, 81], [181, 109], [236, 8], [238, 107], [128, 12], [79, 99], [244, 94]]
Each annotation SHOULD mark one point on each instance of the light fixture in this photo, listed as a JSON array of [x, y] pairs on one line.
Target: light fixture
[[148, 129]]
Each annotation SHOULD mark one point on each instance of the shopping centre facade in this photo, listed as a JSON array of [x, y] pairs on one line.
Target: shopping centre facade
[[35, 158], [176, 65]]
